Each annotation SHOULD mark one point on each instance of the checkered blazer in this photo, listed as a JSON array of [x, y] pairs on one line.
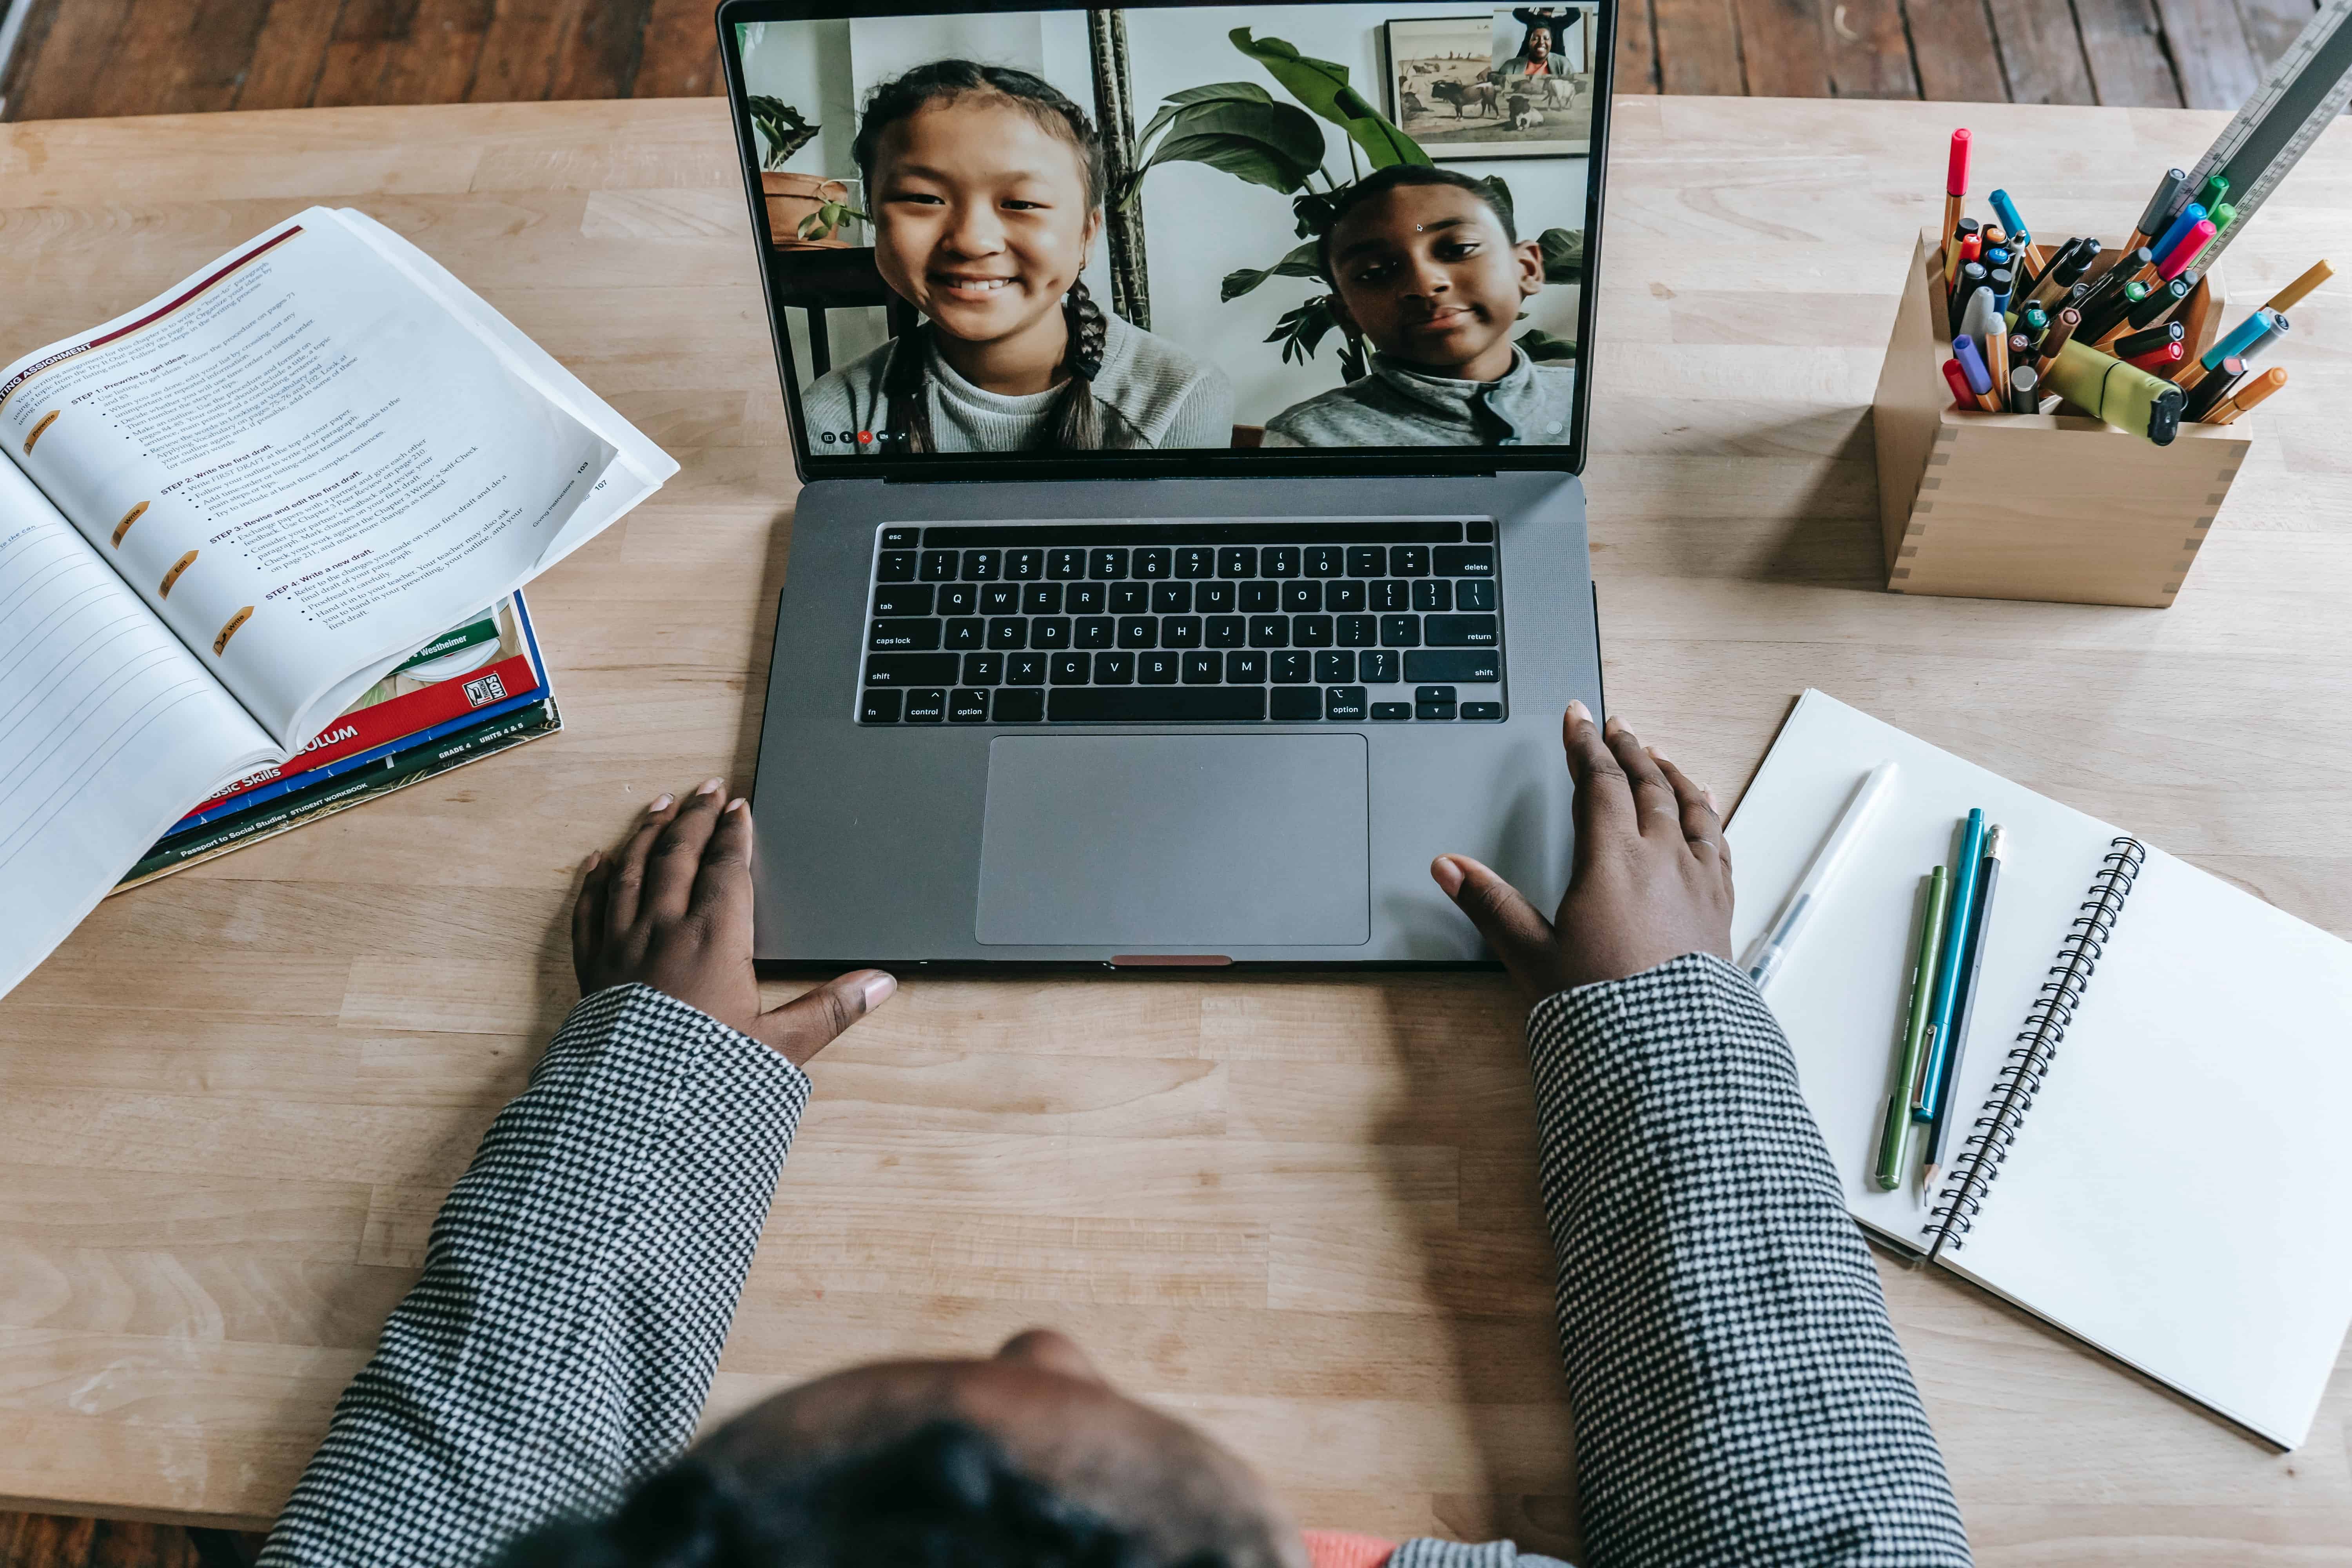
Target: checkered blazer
[[1739, 1394]]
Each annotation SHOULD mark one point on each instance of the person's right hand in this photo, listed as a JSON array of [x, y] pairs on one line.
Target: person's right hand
[[1651, 879], [672, 909]]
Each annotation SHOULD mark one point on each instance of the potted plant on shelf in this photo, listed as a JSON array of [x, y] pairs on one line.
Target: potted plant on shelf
[[1239, 126], [804, 211]]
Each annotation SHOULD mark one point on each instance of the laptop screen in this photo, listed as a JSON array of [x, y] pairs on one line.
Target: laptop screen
[[1184, 230]]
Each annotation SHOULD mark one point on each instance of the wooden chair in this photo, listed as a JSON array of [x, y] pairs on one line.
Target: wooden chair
[[835, 277]]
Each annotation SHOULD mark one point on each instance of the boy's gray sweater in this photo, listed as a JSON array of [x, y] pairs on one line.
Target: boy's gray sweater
[[1397, 405], [1156, 391]]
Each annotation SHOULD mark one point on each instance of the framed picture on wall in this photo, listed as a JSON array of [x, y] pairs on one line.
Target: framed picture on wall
[[1506, 82]]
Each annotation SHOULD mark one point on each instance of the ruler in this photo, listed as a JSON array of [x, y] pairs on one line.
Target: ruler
[[2306, 88]]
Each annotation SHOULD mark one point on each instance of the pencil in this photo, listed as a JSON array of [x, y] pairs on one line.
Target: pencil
[[2293, 294], [2253, 391]]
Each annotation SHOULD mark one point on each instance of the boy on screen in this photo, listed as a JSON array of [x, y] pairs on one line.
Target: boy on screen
[[1426, 267]]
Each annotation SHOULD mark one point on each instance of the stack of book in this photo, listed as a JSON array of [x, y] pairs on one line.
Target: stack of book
[[474, 690]]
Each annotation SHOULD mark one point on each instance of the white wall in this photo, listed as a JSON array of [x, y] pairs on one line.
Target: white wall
[[1199, 223]]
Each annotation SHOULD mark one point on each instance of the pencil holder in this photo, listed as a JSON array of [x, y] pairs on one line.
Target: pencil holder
[[2032, 506]]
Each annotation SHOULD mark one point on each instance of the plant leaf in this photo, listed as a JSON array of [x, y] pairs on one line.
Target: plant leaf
[[1541, 345], [1300, 331], [1563, 255], [1299, 263], [1216, 92], [1286, 128], [1314, 212], [1323, 86], [1259, 163]]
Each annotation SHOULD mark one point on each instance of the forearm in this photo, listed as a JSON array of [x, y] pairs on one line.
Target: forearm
[[577, 1287], [1739, 1391]]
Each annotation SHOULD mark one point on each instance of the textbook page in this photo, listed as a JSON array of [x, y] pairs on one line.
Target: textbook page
[[305, 463], [108, 728]]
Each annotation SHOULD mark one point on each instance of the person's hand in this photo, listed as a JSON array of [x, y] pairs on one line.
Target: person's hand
[[672, 909], [1651, 879]]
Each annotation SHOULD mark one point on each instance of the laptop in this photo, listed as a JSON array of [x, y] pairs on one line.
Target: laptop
[[1170, 582]]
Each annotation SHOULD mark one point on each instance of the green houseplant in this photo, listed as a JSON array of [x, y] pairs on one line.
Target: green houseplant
[[809, 207], [1241, 128]]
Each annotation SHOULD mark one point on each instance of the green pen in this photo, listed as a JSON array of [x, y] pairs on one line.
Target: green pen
[[1913, 1057]]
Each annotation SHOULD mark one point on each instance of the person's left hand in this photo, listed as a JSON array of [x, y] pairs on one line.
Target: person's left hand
[[672, 909]]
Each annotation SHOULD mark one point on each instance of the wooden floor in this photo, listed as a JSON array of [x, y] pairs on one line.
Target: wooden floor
[[83, 58]]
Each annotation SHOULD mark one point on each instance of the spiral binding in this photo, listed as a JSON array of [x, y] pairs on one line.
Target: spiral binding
[[2028, 1063]]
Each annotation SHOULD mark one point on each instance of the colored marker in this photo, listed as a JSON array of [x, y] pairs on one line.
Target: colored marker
[[2131, 345], [2024, 390], [2062, 330], [1956, 185], [2151, 221], [2213, 391], [2294, 293], [2252, 392], [2191, 216], [2157, 361], [1963, 395], [2193, 245], [2006, 210]]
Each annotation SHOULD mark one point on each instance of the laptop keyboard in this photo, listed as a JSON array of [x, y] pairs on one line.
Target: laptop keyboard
[[1185, 623]]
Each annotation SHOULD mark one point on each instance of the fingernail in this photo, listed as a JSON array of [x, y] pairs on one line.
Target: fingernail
[[589, 863], [738, 803], [1448, 874], [1656, 755], [1580, 712], [659, 802], [706, 786], [878, 988]]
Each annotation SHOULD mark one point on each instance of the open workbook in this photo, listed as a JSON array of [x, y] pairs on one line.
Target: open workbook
[[226, 513], [2143, 1158]]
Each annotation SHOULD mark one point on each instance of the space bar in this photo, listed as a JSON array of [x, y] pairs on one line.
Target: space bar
[[1150, 705]]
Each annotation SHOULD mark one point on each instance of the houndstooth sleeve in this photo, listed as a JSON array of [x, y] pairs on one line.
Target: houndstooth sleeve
[[1739, 1391], [577, 1287]]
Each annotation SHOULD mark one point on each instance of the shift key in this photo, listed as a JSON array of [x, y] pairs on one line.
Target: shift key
[[1459, 631], [1467, 666]]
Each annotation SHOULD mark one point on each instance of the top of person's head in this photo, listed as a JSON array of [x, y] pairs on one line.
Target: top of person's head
[[1372, 190], [945, 1494], [938, 82]]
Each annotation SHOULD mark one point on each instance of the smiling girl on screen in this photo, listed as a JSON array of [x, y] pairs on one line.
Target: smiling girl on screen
[[987, 190]]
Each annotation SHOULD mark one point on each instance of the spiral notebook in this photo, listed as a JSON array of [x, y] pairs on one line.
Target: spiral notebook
[[2153, 1075]]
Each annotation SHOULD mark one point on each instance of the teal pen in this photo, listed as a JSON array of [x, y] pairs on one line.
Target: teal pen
[[1947, 973]]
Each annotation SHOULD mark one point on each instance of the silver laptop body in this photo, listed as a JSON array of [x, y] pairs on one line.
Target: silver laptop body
[[1164, 814]]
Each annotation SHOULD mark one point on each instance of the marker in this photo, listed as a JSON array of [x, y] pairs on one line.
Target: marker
[[2250, 394], [1971, 279], [2192, 246], [1963, 395], [2195, 315], [2157, 361], [2216, 187], [1954, 237], [1911, 1053], [2035, 322], [2006, 210], [2024, 390], [1998, 282], [2294, 293], [1980, 319], [2159, 303], [2242, 340], [1972, 361], [2131, 345], [1942, 1017], [2151, 221], [1979, 923], [1770, 948], [1955, 186], [2100, 323], [2213, 390], [2062, 331], [2127, 266], [2191, 216], [1997, 361]]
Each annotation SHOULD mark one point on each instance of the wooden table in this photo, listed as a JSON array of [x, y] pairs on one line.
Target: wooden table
[[1299, 1210]]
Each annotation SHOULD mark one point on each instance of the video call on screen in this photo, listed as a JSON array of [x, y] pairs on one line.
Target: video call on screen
[[1322, 226]]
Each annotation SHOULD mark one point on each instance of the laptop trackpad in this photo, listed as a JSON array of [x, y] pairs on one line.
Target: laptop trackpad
[[1205, 842]]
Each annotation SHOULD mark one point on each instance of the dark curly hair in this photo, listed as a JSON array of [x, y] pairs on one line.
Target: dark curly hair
[[1379, 182], [945, 1495], [1078, 420]]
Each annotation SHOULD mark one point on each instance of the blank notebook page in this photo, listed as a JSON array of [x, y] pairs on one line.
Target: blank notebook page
[[2178, 1192]]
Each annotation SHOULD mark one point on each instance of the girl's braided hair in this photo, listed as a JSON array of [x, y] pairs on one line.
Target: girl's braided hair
[[944, 1496], [1076, 419]]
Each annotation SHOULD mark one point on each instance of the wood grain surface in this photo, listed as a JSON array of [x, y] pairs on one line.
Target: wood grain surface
[[1299, 1209]]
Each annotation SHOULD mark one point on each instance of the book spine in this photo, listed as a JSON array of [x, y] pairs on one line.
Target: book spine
[[1986, 1146]]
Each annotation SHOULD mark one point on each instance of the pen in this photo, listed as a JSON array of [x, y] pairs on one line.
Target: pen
[[1948, 969], [2294, 293], [2194, 314], [1911, 1051], [2131, 345], [2252, 393], [2024, 397], [1964, 396], [2193, 245], [1955, 186], [2061, 330], [1972, 362], [1971, 279], [2006, 210], [2244, 339], [2151, 221], [1980, 920], [2215, 389], [2191, 216], [2159, 303], [2216, 187], [2102, 320], [2034, 320], [1997, 283], [2158, 360], [1997, 363], [1962, 233], [1765, 954]]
